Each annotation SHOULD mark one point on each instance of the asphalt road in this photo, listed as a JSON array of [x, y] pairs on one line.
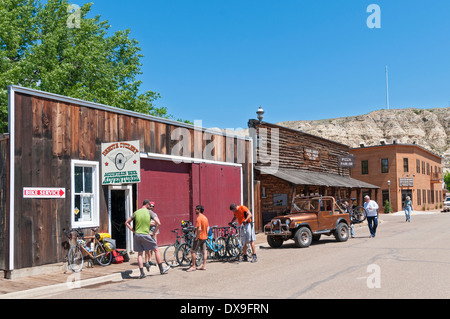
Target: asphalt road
[[404, 260]]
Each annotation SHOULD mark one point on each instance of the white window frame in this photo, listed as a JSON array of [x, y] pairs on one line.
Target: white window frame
[[95, 222]]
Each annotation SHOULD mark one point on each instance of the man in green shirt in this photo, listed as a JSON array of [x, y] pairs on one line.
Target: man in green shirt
[[143, 240]]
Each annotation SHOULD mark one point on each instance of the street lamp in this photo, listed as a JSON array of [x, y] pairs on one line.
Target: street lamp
[[389, 194], [260, 113]]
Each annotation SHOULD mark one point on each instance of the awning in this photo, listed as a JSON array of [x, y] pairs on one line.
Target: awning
[[302, 177]]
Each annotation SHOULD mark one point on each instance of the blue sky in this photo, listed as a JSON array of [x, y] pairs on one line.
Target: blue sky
[[218, 61]]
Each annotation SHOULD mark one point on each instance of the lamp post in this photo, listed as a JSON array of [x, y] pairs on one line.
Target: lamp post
[[260, 113], [389, 194]]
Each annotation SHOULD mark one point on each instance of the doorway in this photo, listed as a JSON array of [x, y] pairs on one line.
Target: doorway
[[119, 207]]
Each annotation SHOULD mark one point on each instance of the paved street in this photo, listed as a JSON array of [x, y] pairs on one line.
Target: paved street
[[405, 260]]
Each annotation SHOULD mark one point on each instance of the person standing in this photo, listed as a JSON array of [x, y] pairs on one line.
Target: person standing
[[154, 229], [408, 208], [200, 238], [143, 240], [372, 215], [244, 217]]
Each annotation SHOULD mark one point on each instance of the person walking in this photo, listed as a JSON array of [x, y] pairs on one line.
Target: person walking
[[143, 240], [200, 238], [372, 215], [244, 217], [408, 208]]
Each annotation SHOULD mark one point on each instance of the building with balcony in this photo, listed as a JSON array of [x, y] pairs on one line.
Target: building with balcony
[[400, 170]]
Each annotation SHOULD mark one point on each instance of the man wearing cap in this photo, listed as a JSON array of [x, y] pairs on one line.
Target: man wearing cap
[[143, 240], [372, 215]]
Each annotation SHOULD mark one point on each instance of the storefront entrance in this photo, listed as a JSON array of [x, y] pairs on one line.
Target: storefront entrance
[[120, 208]]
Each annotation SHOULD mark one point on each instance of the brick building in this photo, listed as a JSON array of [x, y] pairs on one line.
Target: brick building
[[409, 169]]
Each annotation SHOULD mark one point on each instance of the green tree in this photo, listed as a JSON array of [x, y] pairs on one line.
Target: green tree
[[447, 180], [55, 48]]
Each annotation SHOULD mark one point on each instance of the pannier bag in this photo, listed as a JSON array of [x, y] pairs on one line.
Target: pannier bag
[[102, 236], [117, 257], [110, 244]]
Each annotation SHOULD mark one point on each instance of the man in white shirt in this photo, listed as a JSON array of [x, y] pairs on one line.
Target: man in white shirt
[[372, 215]]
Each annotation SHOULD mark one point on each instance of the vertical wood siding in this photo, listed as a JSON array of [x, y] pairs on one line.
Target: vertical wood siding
[[50, 133]]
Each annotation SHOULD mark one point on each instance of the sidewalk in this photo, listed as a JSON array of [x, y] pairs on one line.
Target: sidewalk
[[45, 284]]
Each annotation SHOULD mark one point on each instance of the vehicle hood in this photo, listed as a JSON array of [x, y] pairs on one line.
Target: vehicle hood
[[297, 217]]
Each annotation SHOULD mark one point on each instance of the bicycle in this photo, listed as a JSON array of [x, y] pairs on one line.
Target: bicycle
[[170, 256], [183, 252], [234, 247], [216, 247], [358, 214], [75, 255]]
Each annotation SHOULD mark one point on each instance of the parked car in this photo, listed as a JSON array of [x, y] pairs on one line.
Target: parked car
[[447, 204], [308, 219]]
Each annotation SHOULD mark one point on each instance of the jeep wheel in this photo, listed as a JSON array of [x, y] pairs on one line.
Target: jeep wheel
[[341, 233], [275, 241], [303, 237]]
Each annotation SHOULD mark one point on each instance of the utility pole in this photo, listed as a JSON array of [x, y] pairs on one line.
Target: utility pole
[[387, 88]]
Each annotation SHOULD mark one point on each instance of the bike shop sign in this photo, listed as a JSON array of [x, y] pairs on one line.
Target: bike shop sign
[[44, 192], [121, 163]]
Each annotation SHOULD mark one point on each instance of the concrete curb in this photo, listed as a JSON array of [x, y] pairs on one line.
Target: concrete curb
[[72, 283]]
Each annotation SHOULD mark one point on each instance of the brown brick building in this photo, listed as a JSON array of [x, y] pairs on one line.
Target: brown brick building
[[411, 170]]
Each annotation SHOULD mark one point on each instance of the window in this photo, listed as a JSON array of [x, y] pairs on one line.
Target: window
[[405, 165], [418, 166], [423, 167], [419, 197], [384, 165], [85, 192], [364, 167]]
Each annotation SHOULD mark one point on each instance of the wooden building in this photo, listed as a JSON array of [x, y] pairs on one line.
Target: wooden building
[[291, 163], [51, 174], [400, 170]]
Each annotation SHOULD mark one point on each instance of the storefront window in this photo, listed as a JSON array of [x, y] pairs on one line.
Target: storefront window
[[85, 195]]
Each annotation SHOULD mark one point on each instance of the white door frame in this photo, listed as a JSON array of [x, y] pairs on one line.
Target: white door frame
[[128, 210]]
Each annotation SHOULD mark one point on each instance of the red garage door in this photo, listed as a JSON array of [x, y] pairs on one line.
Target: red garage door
[[177, 188], [218, 187], [168, 185]]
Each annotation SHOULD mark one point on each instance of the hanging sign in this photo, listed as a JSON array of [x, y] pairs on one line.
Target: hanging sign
[[121, 163]]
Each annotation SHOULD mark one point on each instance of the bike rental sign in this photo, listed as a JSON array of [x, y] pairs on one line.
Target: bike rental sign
[[121, 163]]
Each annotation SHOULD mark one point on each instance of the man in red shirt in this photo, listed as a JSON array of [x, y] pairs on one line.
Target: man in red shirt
[[247, 232], [200, 240]]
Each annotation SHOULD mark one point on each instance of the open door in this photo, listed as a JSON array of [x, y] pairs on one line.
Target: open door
[[120, 208]]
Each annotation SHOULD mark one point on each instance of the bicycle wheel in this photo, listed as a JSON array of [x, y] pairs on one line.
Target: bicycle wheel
[[183, 255], [170, 257], [75, 259], [359, 214], [221, 246], [102, 256], [233, 247]]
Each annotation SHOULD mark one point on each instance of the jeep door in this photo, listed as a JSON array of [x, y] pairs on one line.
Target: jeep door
[[327, 218]]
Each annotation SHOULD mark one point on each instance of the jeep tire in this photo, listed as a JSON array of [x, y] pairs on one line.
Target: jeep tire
[[303, 237], [275, 241], [342, 232]]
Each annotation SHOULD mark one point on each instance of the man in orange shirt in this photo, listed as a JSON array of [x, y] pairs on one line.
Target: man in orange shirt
[[200, 240], [247, 232]]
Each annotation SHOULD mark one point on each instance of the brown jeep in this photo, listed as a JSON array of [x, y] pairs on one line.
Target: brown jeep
[[308, 219]]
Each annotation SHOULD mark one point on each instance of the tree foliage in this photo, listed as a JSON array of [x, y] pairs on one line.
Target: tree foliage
[[43, 46]]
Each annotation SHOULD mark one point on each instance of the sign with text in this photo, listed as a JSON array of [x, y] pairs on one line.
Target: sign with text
[[44, 192], [406, 181], [121, 163], [347, 161]]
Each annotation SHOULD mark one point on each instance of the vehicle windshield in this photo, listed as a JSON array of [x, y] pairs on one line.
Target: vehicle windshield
[[306, 204], [447, 199]]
